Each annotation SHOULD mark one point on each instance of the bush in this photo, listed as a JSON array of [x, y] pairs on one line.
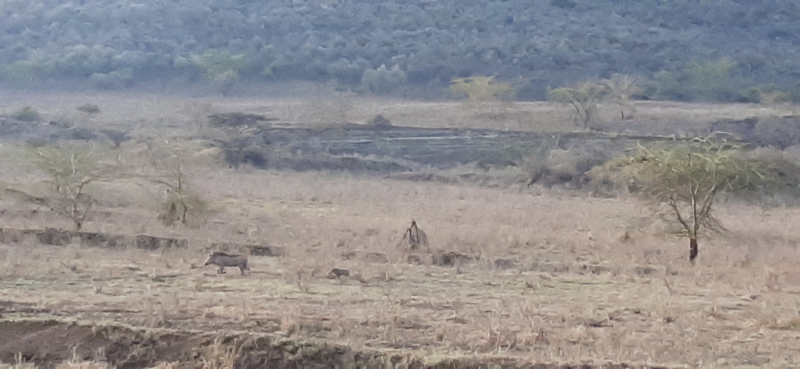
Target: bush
[[480, 88], [711, 80], [768, 95], [21, 72], [349, 73], [383, 80], [266, 61], [218, 67], [27, 114], [116, 79], [708, 81]]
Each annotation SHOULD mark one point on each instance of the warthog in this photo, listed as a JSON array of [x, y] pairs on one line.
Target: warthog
[[225, 260]]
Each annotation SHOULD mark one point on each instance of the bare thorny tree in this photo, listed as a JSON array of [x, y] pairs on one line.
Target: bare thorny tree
[[180, 201], [71, 170]]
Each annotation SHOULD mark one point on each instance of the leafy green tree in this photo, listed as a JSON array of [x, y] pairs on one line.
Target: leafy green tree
[[711, 80], [688, 177]]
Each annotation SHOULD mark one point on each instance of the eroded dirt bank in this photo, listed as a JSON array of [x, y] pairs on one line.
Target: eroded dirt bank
[[48, 342]]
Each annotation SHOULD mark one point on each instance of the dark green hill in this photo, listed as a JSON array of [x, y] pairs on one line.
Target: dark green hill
[[384, 46]]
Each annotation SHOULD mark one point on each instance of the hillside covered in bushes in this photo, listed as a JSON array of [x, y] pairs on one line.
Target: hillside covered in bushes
[[713, 50]]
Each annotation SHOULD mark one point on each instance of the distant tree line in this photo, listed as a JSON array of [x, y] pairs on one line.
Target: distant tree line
[[719, 50]]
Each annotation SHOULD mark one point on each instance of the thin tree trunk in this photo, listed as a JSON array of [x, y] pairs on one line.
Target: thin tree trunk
[[692, 250]]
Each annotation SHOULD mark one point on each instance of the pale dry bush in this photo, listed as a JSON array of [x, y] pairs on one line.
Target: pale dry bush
[[197, 112]]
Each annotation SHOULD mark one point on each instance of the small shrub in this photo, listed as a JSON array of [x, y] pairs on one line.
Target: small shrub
[[89, 108], [27, 114]]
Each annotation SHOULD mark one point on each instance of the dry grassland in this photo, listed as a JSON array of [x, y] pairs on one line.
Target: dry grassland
[[555, 277]]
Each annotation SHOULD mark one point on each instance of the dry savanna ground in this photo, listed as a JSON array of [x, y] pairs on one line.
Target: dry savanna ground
[[545, 276]]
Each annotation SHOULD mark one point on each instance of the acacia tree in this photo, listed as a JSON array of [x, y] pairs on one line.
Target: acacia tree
[[621, 88], [180, 201], [583, 98], [688, 177], [71, 169]]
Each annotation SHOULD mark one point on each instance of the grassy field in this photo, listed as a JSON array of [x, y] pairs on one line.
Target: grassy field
[[546, 276]]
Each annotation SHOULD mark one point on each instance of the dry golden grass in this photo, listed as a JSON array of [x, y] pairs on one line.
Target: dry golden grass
[[581, 290], [557, 276]]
